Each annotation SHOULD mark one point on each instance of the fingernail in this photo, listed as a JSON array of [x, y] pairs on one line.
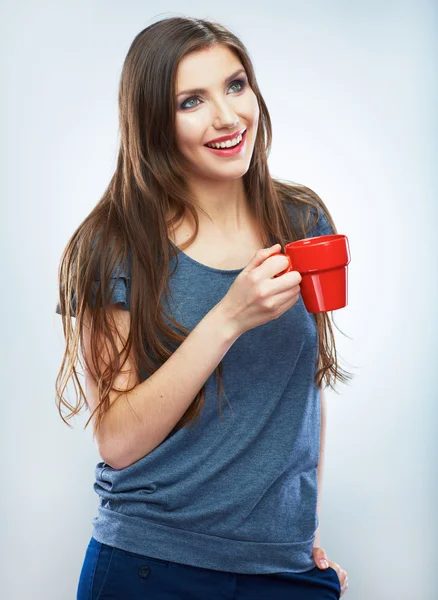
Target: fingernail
[[324, 564]]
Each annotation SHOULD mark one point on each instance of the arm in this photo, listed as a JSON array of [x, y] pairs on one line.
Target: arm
[[317, 541], [141, 419]]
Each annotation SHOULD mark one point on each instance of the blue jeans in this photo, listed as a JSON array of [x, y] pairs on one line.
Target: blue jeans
[[112, 574]]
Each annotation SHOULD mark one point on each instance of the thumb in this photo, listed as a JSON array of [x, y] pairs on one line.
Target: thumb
[[260, 256], [320, 558]]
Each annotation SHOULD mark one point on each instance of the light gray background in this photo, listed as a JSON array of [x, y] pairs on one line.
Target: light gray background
[[351, 88]]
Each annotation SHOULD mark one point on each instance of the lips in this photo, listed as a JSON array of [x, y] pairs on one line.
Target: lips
[[236, 150], [226, 137]]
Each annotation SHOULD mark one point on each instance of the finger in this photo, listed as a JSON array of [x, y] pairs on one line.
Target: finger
[[260, 256], [321, 558], [274, 264], [344, 586]]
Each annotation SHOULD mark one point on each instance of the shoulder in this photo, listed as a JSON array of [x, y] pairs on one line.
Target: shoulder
[[305, 208], [119, 267], [313, 215], [105, 264], [321, 222]]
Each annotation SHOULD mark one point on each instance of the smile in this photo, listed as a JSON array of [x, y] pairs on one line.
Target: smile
[[230, 147], [228, 143]]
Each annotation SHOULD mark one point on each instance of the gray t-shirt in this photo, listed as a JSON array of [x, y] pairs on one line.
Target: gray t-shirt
[[237, 494]]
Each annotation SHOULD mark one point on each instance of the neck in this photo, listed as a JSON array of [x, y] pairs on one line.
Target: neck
[[225, 203]]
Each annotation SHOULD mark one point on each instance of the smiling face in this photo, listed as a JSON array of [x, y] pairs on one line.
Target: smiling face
[[226, 106]]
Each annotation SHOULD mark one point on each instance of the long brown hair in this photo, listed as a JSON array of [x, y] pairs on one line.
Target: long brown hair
[[130, 223]]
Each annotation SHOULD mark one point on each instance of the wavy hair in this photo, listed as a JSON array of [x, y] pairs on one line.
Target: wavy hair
[[130, 223]]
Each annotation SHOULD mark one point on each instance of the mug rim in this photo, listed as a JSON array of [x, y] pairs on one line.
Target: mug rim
[[322, 239]]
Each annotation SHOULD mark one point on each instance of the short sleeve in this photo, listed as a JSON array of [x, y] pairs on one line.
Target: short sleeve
[[322, 227], [120, 286]]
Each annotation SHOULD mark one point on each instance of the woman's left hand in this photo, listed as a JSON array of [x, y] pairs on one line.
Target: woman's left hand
[[322, 562]]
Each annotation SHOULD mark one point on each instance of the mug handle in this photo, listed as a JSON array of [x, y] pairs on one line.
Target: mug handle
[[289, 268]]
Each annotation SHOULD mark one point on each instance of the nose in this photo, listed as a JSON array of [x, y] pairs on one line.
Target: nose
[[225, 117]]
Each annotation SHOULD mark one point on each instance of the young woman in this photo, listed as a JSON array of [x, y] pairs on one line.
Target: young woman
[[171, 280]]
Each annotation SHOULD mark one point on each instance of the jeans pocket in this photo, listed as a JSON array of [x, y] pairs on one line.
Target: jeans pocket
[[94, 570], [148, 559], [102, 569]]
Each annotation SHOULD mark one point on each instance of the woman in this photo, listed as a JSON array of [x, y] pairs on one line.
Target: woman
[[171, 279]]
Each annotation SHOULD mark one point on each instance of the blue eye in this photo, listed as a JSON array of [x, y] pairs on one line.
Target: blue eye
[[240, 82]]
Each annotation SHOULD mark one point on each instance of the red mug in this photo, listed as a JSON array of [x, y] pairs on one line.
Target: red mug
[[322, 263]]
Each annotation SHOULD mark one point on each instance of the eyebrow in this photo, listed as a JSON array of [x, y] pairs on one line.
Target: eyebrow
[[202, 90]]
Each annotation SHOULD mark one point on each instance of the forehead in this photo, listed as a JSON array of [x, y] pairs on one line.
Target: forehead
[[206, 67]]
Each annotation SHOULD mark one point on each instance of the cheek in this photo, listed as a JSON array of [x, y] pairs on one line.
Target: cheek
[[253, 109], [184, 135], [189, 130]]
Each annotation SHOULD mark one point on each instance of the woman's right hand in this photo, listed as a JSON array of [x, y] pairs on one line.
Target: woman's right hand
[[256, 296]]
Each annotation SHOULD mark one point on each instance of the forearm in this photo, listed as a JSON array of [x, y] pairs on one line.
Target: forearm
[[320, 468], [159, 402]]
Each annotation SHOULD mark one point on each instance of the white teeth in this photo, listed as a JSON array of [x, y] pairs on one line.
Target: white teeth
[[228, 143]]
